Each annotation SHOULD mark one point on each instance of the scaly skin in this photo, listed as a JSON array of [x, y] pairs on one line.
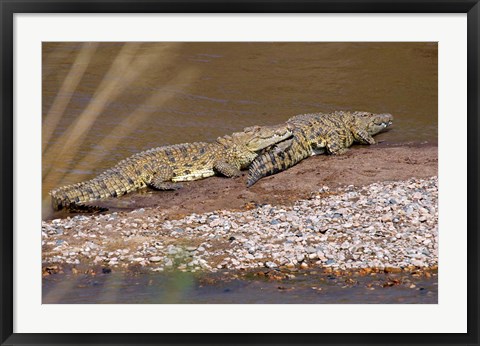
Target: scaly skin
[[316, 134], [161, 168]]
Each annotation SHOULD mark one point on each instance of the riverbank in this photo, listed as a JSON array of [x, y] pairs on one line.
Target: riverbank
[[361, 211]]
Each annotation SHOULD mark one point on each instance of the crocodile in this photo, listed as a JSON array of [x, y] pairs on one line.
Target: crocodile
[[315, 134], [163, 167]]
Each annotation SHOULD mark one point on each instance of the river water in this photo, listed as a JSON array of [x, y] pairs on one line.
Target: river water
[[189, 288], [103, 102]]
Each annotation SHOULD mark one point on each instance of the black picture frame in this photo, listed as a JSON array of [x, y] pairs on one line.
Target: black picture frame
[[10, 7]]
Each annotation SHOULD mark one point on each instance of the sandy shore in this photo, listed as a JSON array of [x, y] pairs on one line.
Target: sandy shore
[[375, 207]]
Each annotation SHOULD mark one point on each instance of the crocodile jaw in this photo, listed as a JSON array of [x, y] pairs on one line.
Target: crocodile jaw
[[263, 137], [379, 123], [374, 123], [258, 144]]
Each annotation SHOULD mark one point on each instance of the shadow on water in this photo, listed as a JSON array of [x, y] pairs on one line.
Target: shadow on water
[[188, 288]]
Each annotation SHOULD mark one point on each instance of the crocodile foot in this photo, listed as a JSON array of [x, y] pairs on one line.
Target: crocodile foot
[[165, 185]]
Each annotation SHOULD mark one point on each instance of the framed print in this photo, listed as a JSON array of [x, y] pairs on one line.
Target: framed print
[[250, 172]]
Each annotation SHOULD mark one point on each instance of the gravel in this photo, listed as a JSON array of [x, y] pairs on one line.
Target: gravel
[[381, 225]]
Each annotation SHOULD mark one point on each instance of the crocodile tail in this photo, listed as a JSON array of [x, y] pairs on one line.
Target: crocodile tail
[[264, 165], [84, 208], [61, 201], [81, 208], [269, 163], [276, 160], [74, 197], [62, 198]]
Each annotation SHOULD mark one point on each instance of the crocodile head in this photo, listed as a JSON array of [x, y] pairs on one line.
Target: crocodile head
[[374, 123], [256, 138]]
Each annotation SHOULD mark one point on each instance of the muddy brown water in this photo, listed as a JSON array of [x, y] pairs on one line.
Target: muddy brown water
[[194, 288], [103, 102]]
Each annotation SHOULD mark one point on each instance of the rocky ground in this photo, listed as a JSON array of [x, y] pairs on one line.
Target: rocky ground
[[359, 211]]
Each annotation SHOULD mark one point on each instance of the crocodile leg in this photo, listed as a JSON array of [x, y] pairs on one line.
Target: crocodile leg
[[162, 179], [363, 137], [336, 145], [337, 149], [226, 169], [165, 185]]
